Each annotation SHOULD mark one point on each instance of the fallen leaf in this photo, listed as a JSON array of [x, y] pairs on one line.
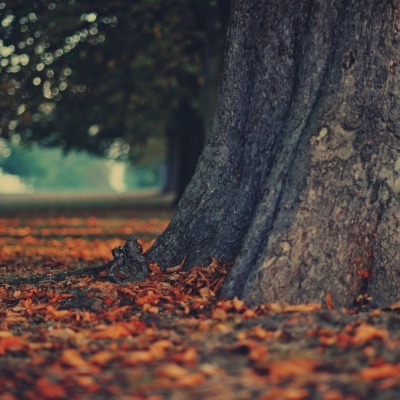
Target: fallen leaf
[[328, 301], [380, 372], [48, 389], [72, 358], [112, 332], [288, 368], [393, 307], [238, 305], [187, 358], [219, 315], [364, 273], [191, 380], [366, 332], [287, 394], [138, 357], [173, 371], [102, 357], [10, 342]]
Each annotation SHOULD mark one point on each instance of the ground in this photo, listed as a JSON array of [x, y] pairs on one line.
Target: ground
[[73, 334]]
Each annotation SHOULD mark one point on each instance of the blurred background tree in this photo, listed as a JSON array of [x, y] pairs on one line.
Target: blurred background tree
[[126, 80]]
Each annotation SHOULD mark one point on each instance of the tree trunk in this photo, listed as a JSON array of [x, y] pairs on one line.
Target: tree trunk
[[300, 181], [185, 137]]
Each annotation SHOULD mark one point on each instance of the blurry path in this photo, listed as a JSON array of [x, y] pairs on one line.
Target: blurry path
[[70, 200]]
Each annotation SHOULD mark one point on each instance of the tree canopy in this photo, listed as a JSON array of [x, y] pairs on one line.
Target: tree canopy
[[102, 76]]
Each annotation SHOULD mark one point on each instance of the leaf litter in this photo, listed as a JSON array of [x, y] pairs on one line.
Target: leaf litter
[[170, 336]]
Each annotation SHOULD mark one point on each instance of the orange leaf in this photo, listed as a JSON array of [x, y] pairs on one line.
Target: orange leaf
[[60, 296], [52, 313], [380, 372], [87, 382], [155, 269], [138, 357], [108, 301], [48, 389], [366, 332], [393, 307], [191, 380], [112, 332], [10, 342], [72, 358], [102, 357], [158, 348], [239, 305], [219, 314], [364, 273], [258, 353], [189, 357], [287, 394], [149, 298], [286, 368], [328, 301], [173, 371]]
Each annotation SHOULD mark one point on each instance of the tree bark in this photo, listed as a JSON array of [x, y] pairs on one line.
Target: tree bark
[[300, 181]]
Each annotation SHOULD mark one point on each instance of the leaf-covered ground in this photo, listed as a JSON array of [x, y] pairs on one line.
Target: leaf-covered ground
[[78, 335]]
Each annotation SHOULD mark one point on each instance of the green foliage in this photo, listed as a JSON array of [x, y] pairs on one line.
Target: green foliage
[[101, 76]]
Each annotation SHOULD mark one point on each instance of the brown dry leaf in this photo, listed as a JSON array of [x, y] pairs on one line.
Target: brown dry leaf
[[238, 305], [173, 371], [49, 390], [187, 358], [219, 314], [364, 273], [102, 357], [288, 368], [88, 383], [261, 333], [150, 309], [380, 372], [59, 297], [10, 342], [158, 349], [249, 313], [258, 353], [155, 269], [61, 333], [286, 394], [289, 308], [72, 358], [393, 307], [191, 380], [112, 332], [328, 301], [175, 268], [149, 298], [206, 293], [55, 314], [138, 357], [366, 332]]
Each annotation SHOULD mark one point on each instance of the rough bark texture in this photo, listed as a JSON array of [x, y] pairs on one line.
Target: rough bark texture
[[300, 181]]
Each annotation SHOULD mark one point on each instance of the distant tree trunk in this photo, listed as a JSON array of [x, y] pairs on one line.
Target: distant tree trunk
[[190, 127], [185, 141], [300, 181]]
